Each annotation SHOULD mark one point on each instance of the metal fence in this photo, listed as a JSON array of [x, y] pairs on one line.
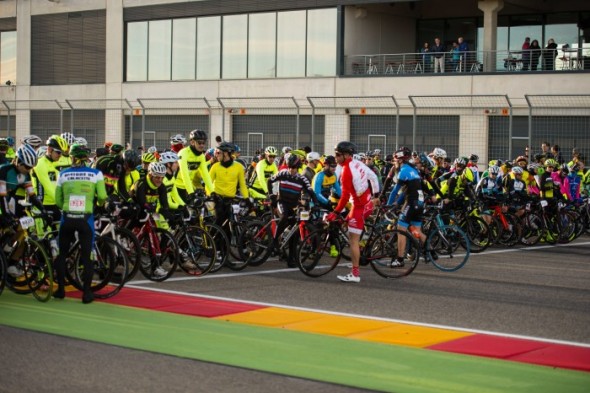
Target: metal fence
[[370, 122], [460, 124], [159, 119], [562, 120]]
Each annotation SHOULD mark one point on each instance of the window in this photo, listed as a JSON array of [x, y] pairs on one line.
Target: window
[[235, 46], [291, 44], [321, 42], [208, 47], [184, 38], [137, 49], [7, 57], [160, 50], [262, 45]]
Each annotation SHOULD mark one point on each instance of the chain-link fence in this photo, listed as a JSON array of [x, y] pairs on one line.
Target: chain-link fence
[[462, 125], [562, 120], [254, 123], [370, 122], [161, 118]]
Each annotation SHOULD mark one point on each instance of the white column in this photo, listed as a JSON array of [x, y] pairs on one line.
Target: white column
[[114, 119], [490, 10], [337, 129], [23, 73], [473, 136]]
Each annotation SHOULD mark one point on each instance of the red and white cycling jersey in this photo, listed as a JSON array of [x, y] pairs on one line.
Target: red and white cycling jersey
[[355, 180]]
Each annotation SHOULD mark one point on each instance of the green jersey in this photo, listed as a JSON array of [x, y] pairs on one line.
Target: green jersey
[[77, 188]]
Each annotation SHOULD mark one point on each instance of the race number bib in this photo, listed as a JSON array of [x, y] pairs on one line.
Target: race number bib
[[420, 196], [77, 203], [26, 222]]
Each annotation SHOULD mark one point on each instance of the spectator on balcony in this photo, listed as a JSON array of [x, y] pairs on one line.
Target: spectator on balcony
[[463, 49], [535, 50], [438, 51], [455, 56], [426, 57], [549, 55], [526, 54]]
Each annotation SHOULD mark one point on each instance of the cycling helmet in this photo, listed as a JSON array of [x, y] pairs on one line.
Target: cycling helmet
[[10, 141], [377, 152], [168, 157], [4, 144], [237, 149], [474, 158], [41, 151], [462, 161], [79, 152], [81, 141], [494, 170], [403, 153], [177, 140], [574, 167], [357, 157], [439, 153], [152, 149], [370, 153], [426, 161], [564, 168], [271, 151], [346, 147], [32, 140], [330, 161], [58, 143], [294, 161], [198, 135], [493, 163], [226, 147], [148, 157], [521, 158], [533, 166], [157, 169], [389, 157], [517, 170], [286, 149], [69, 137], [116, 148], [551, 162], [313, 156], [26, 155], [131, 158]]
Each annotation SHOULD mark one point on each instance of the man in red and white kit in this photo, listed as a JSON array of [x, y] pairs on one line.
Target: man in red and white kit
[[360, 186]]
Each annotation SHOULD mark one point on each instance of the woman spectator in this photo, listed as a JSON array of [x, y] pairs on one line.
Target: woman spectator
[[535, 54], [549, 55]]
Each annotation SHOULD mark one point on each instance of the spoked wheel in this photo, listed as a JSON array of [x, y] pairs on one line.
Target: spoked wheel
[[478, 232], [256, 243], [382, 253], [109, 252], [532, 229], [444, 243], [221, 246], [130, 244], [104, 262], [158, 266], [197, 252], [38, 270], [314, 255]]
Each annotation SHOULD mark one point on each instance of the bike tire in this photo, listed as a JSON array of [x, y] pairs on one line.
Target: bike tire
[[132, 247], [221, 246], [382, 251], [532, 229], [113, 254], [478, 232], [256, 243], [443, 241], [313, 253], [198, 251], [38, 270], [167, 260]]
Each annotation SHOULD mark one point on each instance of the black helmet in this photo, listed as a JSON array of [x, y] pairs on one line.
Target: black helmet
[[198, 135], [346, 147], [79, 152], [131, 158], [330, 161], [474, 158], [294, 161], [403, 153], [116, 148], [564, 168], [227, 147]]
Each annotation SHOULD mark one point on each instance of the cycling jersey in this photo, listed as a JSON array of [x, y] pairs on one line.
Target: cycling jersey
[[323, 185], [489, 187], [10, 154], [192, 170], [357, 181], [76, 189], [290, 187], [174, 199], [410, 183], [227, 177], [144, 192], [13, 187], [264, 170], [547, 186], [516, 190], [572, 183], [124, 184], [111, 166], [44, 177], [63, 163]]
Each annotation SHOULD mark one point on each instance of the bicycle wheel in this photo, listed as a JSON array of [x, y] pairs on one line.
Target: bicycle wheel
[[566, 225], [383, 250], [443, 241], [221, 246], [130, 244], [256, 243], [512, 233], [478, 232], [38, 270], [313, 253], [532, 229], [197, 251], [111, 253], [103, 261], [158, 266]]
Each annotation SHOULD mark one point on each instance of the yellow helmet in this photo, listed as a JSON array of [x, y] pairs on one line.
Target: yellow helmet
[[148, 157], [58, 143]]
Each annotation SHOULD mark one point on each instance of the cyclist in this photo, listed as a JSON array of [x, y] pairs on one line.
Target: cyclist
[[193, 166], [65, 161], [45, 174], [440, 168], [33, 140], [116, 149], [146, 160], [572, 183], [131, 175], [516, 189], [472, 165], [264, 170], [379, 163], [326, 183], [358, 183], [237, 154], [313, 165], [10, 154], [170, 160], [291, 186], [79, 189], [227, 177], [3, 151], [16, 185], [177, 143], [410, 219], [457, 187], [112, 168]]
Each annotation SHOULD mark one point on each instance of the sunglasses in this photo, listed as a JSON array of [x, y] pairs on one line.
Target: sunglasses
[[333, 166], [337, 154], [58, 152], [272, 156], [200, 142], [26, 166]]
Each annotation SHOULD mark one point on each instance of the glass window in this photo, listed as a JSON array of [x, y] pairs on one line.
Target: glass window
[[160, 50], [291, 44], [235, 46], [262, 45], [137, 40], [184, 36], [428, 30], [7, 57], [209, 47], [322, 37]]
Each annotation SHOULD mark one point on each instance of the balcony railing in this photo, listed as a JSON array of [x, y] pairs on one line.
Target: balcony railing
[[467, 62]]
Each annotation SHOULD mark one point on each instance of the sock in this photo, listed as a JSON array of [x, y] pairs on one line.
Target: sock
[[400, 259], [355, 271]]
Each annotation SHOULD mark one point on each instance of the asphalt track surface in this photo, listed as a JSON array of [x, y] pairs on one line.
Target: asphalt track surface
[[539, 292]]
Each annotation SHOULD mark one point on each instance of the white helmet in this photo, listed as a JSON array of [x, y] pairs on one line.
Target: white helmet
[[153, 149], [32, 140], [157, 169], [41, 151], [439, 153], [377, 152], [26, 155], [177, 139], [168, 157], [81, 141], [286, 149], [313, 156], [356, 157], [69, 137]]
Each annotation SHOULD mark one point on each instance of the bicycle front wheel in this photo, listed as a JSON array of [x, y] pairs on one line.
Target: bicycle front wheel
[[38, 270], [197, 252], [319, 252], [382, 253], [111, 253], [443, 242]]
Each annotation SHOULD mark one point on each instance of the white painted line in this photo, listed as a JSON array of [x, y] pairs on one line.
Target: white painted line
[[547, 340]]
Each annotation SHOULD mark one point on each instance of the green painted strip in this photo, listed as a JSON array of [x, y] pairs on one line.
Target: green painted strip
[[324, 358]]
